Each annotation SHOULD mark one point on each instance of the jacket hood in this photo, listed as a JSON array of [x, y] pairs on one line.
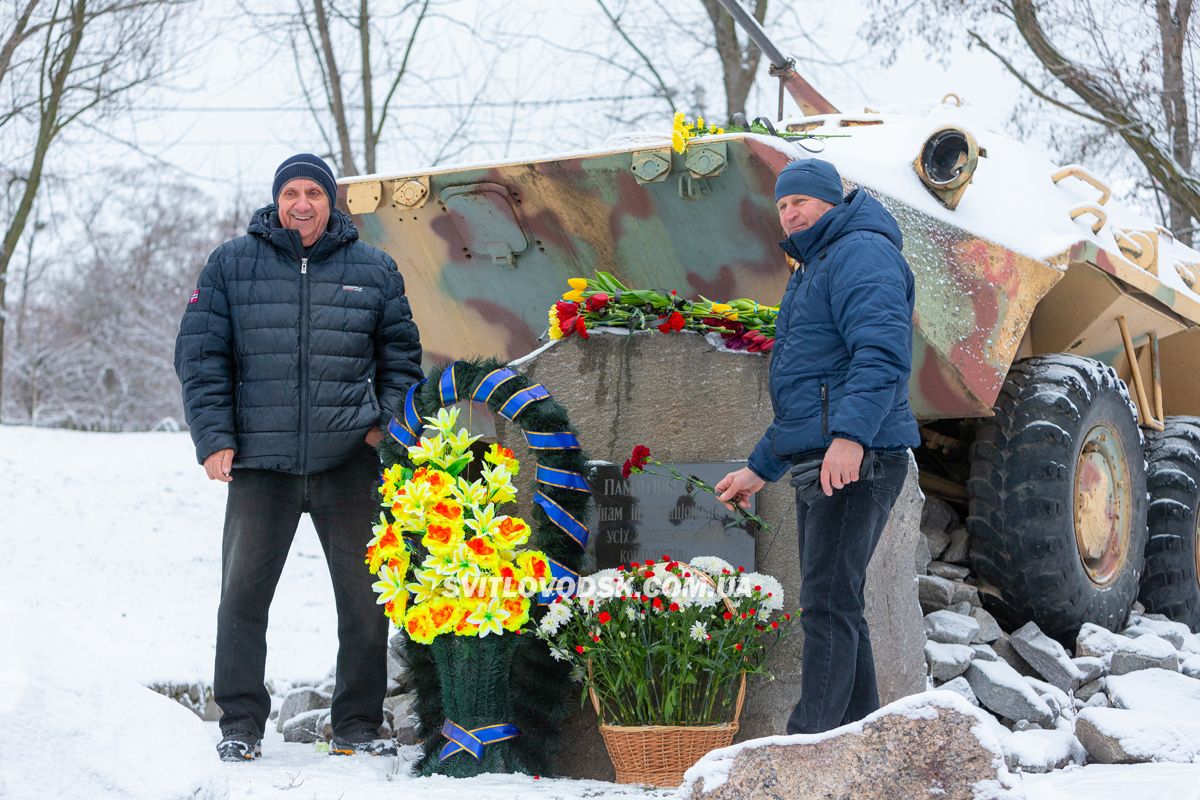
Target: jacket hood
[[265, 223], [858, 212]]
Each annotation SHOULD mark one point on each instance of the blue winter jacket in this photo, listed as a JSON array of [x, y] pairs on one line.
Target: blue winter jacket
[[289, 356], [843, 347]]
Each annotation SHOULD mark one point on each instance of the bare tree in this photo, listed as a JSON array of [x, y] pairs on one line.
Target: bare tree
[[97, 343], [363, 54], [1126, 68], [62, 63]]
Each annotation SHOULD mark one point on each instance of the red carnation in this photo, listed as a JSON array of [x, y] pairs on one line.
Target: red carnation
[[673, 607], [604, 617], [673, 323], [727, 615], [737, 646], [579, 648], [658, 604]]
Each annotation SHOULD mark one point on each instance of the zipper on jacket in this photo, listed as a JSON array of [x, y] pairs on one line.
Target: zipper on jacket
[[824, 409], [304, 366]]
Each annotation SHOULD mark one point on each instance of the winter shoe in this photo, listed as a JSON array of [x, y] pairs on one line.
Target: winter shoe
[[239, 746], [367, 744]]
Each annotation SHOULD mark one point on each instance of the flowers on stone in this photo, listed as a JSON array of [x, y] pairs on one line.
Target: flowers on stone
[[742, 324], [653, 655], [636, 462]]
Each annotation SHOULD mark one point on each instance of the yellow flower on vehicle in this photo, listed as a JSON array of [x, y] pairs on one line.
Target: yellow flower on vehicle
[[579, 284], [573, 296], [555, 329]]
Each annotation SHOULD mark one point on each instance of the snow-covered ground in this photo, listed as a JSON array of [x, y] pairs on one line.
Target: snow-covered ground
[[111, 579]]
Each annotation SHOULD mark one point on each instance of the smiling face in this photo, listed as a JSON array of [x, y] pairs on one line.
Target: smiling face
[[799, 212], [304, 208]]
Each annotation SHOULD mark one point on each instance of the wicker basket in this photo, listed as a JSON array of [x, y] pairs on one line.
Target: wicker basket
[[658, 755]]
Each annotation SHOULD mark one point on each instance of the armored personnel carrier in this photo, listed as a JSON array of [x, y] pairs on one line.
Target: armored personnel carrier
[[1056, 350]]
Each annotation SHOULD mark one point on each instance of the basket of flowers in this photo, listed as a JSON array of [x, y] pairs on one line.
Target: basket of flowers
[[663, 649]]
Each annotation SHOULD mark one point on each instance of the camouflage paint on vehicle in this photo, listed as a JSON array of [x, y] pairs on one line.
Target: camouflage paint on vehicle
[[485, 251]]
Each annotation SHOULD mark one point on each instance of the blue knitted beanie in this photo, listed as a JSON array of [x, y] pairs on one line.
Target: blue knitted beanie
[[305, 165], [810, 177]]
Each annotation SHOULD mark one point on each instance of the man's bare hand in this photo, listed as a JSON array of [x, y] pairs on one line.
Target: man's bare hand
[[219, 465], [374, 437], [737, 487], [840, 467]]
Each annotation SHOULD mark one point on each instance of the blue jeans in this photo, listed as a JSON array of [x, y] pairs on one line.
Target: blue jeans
[[838, 536], [261, 514]]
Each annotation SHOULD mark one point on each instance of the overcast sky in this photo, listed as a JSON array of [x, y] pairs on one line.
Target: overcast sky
[[237, 110]]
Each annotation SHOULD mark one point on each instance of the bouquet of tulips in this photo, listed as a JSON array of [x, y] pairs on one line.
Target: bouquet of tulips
[[667, 642], [605, 301]]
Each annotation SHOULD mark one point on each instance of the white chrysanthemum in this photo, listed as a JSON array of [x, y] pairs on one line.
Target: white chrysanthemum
[[698, 633], [605, 584], [556, 615], [711, 564], [631, 613], [558, 654], [770, 589], [698, 592]]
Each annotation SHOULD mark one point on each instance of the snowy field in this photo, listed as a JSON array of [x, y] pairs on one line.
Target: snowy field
[[111, 580]]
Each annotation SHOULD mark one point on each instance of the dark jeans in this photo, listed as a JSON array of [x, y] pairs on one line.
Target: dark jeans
[[261, 514], [838, 535]]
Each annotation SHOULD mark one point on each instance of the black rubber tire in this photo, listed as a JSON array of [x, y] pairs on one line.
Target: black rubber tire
[[1021, 496], [1170, 585]]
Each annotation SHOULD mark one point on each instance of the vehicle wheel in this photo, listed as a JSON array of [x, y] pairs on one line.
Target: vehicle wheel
[[1057, 498], [1171, 583]]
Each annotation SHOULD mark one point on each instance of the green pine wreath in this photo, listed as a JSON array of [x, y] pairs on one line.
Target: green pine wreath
[[539, 684]]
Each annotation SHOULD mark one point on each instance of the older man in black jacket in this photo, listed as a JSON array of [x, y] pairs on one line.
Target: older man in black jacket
[[295, 349]]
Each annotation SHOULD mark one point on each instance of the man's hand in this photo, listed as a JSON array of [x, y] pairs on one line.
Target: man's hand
[[219, 465], [840, 467], [737, 486], [374, 437]]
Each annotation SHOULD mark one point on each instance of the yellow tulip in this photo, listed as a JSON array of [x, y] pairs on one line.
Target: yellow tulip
[[574, 296], [579, 284]]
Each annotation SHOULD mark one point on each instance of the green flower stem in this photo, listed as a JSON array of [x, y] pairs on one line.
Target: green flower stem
[[692, 480]]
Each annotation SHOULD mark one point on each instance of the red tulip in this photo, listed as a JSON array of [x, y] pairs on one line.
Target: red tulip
[[597, 301]]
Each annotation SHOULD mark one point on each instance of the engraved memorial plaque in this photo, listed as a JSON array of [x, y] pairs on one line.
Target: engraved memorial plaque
[[648, 516]]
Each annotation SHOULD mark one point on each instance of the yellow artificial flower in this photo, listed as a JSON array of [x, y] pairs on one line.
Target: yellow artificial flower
[[511, 533], [395, 610], [390, 585], [443, 611], [501, 456], [573, 296], [489, 618], [426, 587], [442, 537], [555, 329], [441, 563], [500, 486], [425, 450], [462, 620], [485, 522], [482, 551], [443, 421], [461, 442], [463, 565], [534, 564], [579, 284], [518, 612], [419, 626], [472, 495]]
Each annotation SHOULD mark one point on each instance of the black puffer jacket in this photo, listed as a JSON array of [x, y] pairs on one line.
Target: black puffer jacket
[[290, 358]]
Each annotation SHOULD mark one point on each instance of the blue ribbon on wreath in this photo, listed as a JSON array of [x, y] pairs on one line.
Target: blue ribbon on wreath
[[475, 740], [563, 519]]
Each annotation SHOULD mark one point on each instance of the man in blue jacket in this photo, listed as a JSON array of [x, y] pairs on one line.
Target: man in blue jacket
[[839, 388], [296, 347]]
